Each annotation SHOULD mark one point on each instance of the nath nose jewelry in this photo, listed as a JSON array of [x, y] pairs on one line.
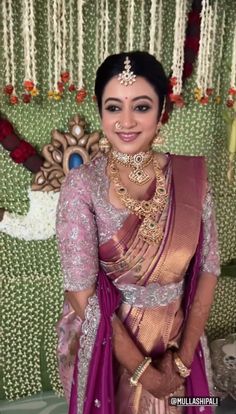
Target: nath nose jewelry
[[118, 125]]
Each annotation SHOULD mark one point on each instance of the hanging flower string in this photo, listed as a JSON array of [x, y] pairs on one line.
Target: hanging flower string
[[178, 53], [142, 26], [8, 51], [231, 116], [218, 98], [28, 30], [206, 53], [118, 15], [81, 93]]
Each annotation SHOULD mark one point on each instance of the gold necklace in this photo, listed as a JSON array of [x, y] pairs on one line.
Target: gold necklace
[[149, 231], [138, 162]]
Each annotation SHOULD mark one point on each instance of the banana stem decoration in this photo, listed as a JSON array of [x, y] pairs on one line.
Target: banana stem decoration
[[230, 118], [232, 150]]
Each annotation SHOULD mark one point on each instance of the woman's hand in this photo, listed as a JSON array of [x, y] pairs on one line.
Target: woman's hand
[[162, 379]]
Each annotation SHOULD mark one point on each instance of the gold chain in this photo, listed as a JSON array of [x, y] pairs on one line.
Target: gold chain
[[149, 231]]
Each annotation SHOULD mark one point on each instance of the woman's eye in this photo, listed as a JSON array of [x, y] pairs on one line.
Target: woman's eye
[[112, 108], [142, 108]]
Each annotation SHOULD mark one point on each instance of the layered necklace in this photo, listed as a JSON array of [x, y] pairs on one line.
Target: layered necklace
[[137, 162], [149, 231]]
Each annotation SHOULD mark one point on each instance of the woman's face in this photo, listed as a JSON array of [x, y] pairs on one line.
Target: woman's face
[[136, 108]]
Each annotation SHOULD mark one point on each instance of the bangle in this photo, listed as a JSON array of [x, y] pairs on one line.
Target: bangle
[[139, 371], [182, 369]]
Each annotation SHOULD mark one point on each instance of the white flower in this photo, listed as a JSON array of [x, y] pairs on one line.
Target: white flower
[[38, 223]]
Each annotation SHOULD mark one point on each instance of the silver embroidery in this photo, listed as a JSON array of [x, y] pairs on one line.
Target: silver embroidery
[[87, 340], [151, 295]]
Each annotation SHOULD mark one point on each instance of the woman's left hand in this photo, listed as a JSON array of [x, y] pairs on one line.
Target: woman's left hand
[[167, 366]]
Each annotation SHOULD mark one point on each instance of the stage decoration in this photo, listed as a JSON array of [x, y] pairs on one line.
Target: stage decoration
[[66, 151], [118, 15], [28, 35], [155, 34], [80, 34], [130, 25], [178, 53], [222, 31], [71, 87], [230, 114], [8, 51], [21, 151], [142, 26], [205, 64], [38, 223]]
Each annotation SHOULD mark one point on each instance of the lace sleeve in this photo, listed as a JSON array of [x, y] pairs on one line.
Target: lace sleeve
[[77, 232], [210, 261]]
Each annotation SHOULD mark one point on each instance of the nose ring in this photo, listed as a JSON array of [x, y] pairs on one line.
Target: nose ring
[[118, 125]]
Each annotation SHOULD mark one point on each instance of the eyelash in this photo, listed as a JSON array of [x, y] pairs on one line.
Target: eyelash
[[114, 108]]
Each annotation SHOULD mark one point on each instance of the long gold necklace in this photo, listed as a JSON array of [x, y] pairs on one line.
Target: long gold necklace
[[149, 231]]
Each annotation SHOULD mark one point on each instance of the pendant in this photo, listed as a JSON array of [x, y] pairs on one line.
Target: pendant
[[138, 176], [150, 231]]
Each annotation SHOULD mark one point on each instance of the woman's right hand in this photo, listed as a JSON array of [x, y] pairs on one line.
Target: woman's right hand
[[164, 380]]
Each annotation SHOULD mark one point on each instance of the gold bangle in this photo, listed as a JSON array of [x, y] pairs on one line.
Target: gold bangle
[[139, 371], [182, 369]]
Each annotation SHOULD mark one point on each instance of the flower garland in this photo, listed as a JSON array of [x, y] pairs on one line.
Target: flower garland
[[178, 52], [218, 99], [38, 223], [231, 115], [21, 151], [28, 29], [130, 25], [206, 53], [155, 42], [117, 46], [142, 24], [8, 51]]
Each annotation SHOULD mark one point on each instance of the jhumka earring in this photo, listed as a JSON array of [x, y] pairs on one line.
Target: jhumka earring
[[158, 139], [104, 145]]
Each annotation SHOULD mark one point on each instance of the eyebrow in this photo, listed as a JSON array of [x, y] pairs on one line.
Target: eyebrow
[[134, 99]]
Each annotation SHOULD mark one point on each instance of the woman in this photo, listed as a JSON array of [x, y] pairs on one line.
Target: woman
[[138, 248]]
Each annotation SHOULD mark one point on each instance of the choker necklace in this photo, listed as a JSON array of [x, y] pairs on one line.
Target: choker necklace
[[138, 162], [149, 231]]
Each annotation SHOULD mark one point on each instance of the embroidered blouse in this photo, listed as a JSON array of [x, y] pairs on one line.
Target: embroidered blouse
[[86, 219]]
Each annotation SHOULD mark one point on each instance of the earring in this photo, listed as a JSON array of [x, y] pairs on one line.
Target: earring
[[104, 145], [158, 139]]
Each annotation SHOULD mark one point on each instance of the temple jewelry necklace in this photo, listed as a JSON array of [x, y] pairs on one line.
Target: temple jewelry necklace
[[138, 162], [149, 231]]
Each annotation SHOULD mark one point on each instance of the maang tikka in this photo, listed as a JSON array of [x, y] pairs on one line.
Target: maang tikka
[[127, 77]]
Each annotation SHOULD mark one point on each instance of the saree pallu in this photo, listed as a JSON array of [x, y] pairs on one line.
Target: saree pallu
[[156, 284]]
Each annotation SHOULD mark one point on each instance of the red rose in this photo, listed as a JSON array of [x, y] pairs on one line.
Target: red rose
[[192, 43], [22, 152], [60, 86], [194, 18], [8, 89], [26, 98], [65, 76], [188, 70], [5, 128], [14, 100], [230, 103], [81, 95], [29, 85], [72, 88]]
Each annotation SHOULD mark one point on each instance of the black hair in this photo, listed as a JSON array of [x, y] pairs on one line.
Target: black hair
[[142, 64]]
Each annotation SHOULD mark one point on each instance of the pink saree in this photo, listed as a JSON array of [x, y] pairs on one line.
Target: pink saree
[[151, 288]]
